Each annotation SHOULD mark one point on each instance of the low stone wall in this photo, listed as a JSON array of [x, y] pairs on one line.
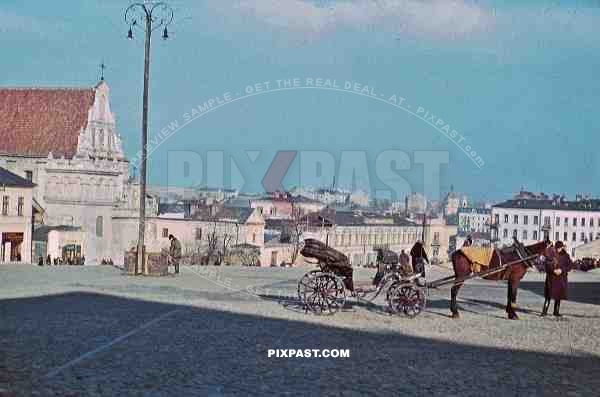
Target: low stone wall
[[156, 263]]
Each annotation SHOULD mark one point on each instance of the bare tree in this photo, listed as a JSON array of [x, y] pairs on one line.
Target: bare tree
[[293, 232]]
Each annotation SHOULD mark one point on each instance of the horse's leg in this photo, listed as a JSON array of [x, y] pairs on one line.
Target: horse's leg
[[511, 302], [453, 303]]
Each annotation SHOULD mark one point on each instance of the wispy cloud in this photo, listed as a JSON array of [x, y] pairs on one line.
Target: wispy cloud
[[11, 22], [438, 18]]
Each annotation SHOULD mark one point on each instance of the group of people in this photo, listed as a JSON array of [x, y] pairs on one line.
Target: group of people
[[557, 263], [49, 261], [415, 263]]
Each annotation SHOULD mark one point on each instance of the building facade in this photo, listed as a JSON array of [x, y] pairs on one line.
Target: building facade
[[65, 141], [472, 220], [530, 220], [16, 217]]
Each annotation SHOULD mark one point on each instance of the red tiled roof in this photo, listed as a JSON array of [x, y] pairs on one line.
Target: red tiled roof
[[37, 121]]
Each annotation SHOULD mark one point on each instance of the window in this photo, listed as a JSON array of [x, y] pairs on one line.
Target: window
[[566, 221], [556, 236], [99, 226], [582, 221], [505, 218], [505, 233], [5, 205], [565, 236], [165, 232], [525, 219], [582, 237], [574, 237], [524, 235], [436, 236], [516, 219], [199, 233], [253, 237], [497, 218], [591, 236], [536, 220], [29, 176], [547, 221], [557, 221], [574, 221], [20, 205], [273, 211], [535, 235], [436, 251], [591, 222], [515, 233]]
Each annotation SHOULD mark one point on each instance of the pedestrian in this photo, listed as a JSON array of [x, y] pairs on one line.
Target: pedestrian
[[558, 277], [419, 257], [550, 263], [175, 252], [405, 267], [41, 261]]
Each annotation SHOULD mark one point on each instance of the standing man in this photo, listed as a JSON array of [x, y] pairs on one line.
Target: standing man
[[558, 279], [175, 252], [419, 256], [405, 267], [550, 264]]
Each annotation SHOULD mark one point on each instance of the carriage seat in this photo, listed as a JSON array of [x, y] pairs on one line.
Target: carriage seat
[[479, 256]]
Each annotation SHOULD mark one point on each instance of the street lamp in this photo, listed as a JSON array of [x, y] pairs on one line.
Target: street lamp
[[153, 15]]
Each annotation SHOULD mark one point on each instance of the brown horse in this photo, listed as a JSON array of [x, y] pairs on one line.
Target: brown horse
[[463, 267]]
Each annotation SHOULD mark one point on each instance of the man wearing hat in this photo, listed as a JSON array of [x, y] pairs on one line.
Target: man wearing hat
[[557, 279], [419, 256], [550, 262], [175, 252]]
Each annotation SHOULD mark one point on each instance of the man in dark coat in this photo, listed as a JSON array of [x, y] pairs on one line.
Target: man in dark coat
[[405, 267], [559, 277], [550, 263], [175, 252], [419, 256]]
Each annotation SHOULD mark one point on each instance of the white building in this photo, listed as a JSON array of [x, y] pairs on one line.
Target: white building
[[474, 220], [16, 217], [530, 220], [65, 141]]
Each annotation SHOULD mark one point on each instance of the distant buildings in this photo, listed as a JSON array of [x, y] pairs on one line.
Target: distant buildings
[[531, 218], [474, 220]]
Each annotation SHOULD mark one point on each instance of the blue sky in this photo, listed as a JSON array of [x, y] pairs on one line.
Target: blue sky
[[517, 79]]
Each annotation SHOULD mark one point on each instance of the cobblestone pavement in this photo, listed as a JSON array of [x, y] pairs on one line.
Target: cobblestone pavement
[[72, 331]]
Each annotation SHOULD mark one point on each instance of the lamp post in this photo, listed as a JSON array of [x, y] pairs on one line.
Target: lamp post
[[153, 16]]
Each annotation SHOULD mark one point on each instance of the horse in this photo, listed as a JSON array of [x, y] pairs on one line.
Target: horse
[[463, 267]]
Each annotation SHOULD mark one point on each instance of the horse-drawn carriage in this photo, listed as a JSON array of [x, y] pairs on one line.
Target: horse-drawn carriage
[[324, 290]]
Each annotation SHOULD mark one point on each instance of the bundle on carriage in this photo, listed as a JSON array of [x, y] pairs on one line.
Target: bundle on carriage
[[324, 290]]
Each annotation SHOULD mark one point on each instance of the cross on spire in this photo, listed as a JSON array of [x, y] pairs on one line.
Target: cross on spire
[[102, 67]]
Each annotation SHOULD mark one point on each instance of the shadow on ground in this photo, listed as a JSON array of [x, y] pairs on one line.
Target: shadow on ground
[[195, 351], [582, 292]]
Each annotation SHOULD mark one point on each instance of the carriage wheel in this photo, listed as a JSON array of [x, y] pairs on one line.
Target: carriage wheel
[[406, 298], [306, 283], [322, 293]]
